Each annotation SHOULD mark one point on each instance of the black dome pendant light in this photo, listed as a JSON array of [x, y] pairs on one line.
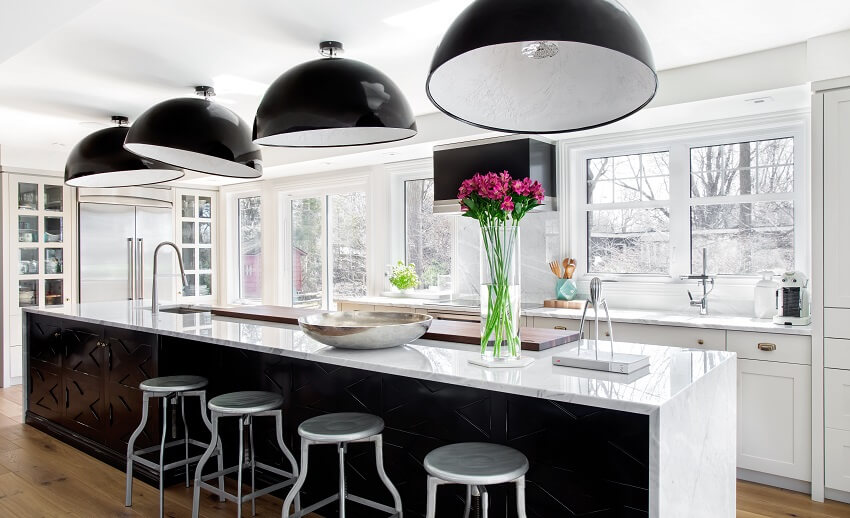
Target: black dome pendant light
[[100, 160], [542, 66], [196, 134], [332, 102]]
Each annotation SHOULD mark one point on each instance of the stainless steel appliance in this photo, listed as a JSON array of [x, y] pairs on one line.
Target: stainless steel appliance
[[792, 300], [118, 231]]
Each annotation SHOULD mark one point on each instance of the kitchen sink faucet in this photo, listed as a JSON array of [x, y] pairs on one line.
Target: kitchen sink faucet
[[702, 280], [154, 301]]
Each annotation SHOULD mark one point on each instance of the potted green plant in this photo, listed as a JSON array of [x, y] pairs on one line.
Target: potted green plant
[[404, 277]]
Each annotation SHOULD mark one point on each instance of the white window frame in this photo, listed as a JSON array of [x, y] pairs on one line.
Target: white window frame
[[401, 172], [231, 266], [678, 142], [316, 189]]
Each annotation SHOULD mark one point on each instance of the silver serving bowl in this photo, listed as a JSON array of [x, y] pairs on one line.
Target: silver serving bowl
[[364, 329]]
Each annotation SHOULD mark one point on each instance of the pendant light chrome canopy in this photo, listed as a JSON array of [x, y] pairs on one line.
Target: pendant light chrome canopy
[[196, 134], [542, 66], [332, 102], [100, 160]]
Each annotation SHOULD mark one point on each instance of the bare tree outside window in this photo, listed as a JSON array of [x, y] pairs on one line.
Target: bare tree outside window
[[428, 237], [307, 252], [250, 249], [347, 224], [751, 226], [628, 218]]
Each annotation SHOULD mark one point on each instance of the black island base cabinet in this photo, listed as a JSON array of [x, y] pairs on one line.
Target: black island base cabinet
[[585, 461], [83, 385]]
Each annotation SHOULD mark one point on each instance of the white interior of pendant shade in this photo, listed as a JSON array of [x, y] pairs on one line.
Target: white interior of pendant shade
[[193, 161], [581, 86], [332, 137], [127, 178]]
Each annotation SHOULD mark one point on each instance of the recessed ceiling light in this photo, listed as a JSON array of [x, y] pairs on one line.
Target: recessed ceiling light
[[429, 14]]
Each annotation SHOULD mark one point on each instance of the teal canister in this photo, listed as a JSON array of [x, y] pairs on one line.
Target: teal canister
[[565, 289]]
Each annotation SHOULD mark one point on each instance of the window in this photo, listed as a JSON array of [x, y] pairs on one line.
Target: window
[[427, 237], [742, 206], [328, 248], [654, 212], [628, 217], [250, 249]]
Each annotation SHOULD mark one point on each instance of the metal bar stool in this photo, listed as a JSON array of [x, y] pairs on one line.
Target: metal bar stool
[[171, 388], [475, 465], [246, 406], [342, 429]]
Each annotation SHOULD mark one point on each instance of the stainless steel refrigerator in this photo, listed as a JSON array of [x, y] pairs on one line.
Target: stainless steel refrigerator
[[118, 231]]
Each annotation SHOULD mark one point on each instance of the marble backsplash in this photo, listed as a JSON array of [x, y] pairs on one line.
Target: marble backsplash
[[540, 242]]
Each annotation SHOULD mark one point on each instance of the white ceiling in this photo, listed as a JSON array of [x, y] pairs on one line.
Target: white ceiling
[[65, 64]]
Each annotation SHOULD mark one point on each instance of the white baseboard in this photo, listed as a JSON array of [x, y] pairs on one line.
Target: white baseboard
[[837, 495], [776, 481]]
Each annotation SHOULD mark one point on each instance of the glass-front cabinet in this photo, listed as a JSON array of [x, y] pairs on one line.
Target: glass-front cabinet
[[39, 214], [196, 230]]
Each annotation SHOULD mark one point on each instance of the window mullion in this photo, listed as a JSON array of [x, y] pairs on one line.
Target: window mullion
[[680, 217]]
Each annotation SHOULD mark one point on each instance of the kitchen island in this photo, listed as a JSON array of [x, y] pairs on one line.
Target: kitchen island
[[660, 443]]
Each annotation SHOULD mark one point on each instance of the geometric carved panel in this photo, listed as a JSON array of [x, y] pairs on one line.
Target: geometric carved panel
[[45, 342], [83, 352], [45, 397], [84, 407], [129, 356]]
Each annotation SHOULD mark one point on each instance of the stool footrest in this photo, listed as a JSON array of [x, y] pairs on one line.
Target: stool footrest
[[176, 442], [352, 498], [246, 497]]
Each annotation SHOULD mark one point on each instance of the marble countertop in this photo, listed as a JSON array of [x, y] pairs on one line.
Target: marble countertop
[[630, 316], [672, 370]]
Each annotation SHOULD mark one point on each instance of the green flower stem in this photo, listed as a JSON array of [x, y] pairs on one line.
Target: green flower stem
[[499, 238]]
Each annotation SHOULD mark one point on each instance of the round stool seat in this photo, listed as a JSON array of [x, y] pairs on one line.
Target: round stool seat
[[341, 427], [247, 402], [476, 463], [173, 384]]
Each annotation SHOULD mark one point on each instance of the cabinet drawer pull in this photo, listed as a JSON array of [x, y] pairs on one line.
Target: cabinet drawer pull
[[560, 328], [701, 341], [767, 346], [67, 397]]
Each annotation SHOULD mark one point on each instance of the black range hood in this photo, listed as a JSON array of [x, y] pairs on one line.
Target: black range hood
[[522, 157]]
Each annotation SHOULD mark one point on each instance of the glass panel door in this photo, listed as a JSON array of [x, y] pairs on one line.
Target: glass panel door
[[347, 244], [307, 252]]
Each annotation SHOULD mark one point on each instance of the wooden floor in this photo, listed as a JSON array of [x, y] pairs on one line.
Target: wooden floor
[[43, 477]]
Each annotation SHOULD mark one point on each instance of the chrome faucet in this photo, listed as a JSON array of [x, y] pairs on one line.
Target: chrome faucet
[[703, 280], [154, 301]]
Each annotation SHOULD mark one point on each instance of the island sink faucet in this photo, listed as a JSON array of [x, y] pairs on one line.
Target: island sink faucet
[[154, 299], [703, 280]]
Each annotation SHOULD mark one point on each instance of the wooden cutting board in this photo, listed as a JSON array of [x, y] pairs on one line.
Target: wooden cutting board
[[279, 314], [533, 339]]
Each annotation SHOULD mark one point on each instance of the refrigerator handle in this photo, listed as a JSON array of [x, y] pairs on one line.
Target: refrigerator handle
[[140, 275], [131, 267]]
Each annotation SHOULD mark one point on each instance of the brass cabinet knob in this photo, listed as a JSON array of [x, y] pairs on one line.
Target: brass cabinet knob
[[701, 341], [766, 347], [607, 333], [560, 328]]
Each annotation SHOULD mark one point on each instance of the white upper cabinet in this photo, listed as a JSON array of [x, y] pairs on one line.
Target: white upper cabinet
[[836, 184]]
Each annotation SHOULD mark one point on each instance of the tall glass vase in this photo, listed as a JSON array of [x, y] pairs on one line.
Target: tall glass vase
[[500, 292]]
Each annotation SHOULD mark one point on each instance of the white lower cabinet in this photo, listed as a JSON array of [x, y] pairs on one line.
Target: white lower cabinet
[[674, 336], [837, 459], [774, 418], [16, 360]]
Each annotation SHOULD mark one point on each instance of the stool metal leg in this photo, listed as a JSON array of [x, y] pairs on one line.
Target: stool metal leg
[[199, 470], [278, 417], [468, 505], [379, 460], [342, 491], [241, 467], [162, 456], [431, 502], [128, 501], [485, 501], [213, 438], [520, 497], [185, 434], [253, 464], [299, 483]]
